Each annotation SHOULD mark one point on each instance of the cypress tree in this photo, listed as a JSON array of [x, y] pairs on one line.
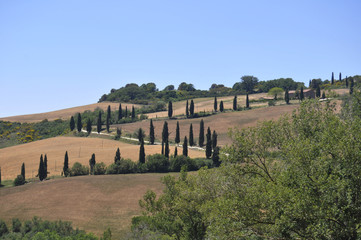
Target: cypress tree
[[141, 153], [191, 141], [323, 95], [92, 164], [301, 94], [191, 108], [247, 101], [140, 135], [209, 143], [201, 134], [89, 126], [235, 103], [221, 106], [99, 123], [175, 154], [318, 91], [120, 112], [117, 156], [23, 170], [170, 109], [133, 113], [151, 132], [287, 97], [214, 139], [162, 148], [41, 168], [177, 134], [215, 104], [351, 85], [332, 79], [185, 146], [66, 165], [126, 112], [79, 126], [166, 149], [72, 123], [215, 157], [346, 82], [108, 118], [0, 177], [45, 166], [187, 110], [165, 133], [340, 78]]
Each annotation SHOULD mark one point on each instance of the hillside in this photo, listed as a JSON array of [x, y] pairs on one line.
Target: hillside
[[79, 150], [92, 203]]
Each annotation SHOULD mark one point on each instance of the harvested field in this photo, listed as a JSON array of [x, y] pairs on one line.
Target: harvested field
[[92, 203], [79, 150], [66, 113]]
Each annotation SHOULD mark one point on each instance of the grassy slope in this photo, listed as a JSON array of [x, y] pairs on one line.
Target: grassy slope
[[92, 203]]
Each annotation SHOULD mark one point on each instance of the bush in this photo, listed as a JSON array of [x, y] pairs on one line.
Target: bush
[[3, 228], [271, 103], [100, 169], [157, 163], [16, 225], [78, 169], [177, 162], [203, 162], [19, 180], [122, 166]]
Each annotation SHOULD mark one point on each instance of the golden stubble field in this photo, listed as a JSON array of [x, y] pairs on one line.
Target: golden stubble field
[[79, 150]]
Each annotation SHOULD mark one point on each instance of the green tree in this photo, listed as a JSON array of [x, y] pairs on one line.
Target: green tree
[[318, 91], [175, 153], [209, 143], [151, 133], [185, 146], [323, 95], [340, 77], [165, 133], [162, 148], [0, 177], [126, 112], [177, 134], [346, 82], [187, 110], [72, 123], [41, 170], [45, 166], [108, 118], [99, 122], [89, 126], [248, 84], [191, 108], [235, 103], [120, 112], [170, 109], [247, 101], [140, 135], [191, 140], [3, 228], [351, 85], [79, 124], [221, 108], [142, 153], [117, 157], [215, 157], [201, 134], [133, 113], [302, 96], [16, 225], [23, 170], [19, 180], [166, 149], [215, 104], [276, 91], [119, 134], [332, 79], [287, 97], [66, 165], [214, 139], [92, 163]]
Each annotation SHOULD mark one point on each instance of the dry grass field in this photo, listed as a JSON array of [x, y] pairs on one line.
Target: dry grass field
[[66, 113], [92, 203], [79, 150]]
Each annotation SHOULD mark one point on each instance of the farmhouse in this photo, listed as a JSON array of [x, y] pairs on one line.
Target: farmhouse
[[307, 93]]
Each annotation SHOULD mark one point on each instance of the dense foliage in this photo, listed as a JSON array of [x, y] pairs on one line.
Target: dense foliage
[[294, 178]]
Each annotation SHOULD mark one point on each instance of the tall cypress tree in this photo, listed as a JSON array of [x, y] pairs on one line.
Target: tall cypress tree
[[332, 79], [45, 166], [166, 149], [175, 154], [141, 153], [201, 134], [126, 112], [235, 103], [72, 123], [191, 108], [120, 112], [185, 146], [133, 113], [170, 109], [209, 143], [247, 101], [351, 85], [41, 168], [151, 132], [99, 123], [214, 139], [79, 126], [165, 132], [221, 106], [287, 97], [0, 177], [108, 118], [162, 148], [340, 77], [92, 164], [23, 170], [89, 126], [318, 91], [302, 96], [66, 165], [117, 156], [187, 110], [323, 95], [215, 157], [177, 134], [140, 135], [346, 82], [191, 141], [215, 104]]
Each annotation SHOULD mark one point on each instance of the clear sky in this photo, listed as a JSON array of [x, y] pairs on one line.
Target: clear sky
[[65, 53]]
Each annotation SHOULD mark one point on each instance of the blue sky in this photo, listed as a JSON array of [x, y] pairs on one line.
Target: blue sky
[[59, 54]]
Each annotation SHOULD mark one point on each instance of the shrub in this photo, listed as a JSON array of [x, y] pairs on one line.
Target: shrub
[[271, 103], [3, 228], [16, 225], [122, 166], [19, 180], [157, 163], [177, 162], [203, 162], [78, 169], [100, 169]]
